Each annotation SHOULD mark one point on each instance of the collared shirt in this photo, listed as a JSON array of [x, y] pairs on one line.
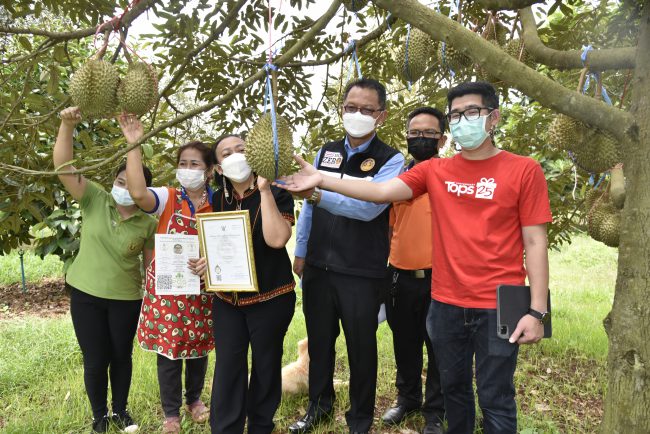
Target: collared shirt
[[108, 262], [344, 206]]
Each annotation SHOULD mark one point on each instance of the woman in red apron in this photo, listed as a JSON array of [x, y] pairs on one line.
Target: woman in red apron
[[176, 327]]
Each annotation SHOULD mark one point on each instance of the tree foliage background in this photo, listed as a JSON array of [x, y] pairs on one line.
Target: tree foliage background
[[210, 58]]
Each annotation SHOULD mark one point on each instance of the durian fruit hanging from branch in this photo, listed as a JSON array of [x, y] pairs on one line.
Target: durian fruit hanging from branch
[[451, 57], [93, 87], [517, 49], [355, 5], [591, 149], [603, 219], [138, 89], [260, 151], [412, 57]]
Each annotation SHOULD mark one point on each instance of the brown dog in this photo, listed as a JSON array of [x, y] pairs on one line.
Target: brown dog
[[295, 376]]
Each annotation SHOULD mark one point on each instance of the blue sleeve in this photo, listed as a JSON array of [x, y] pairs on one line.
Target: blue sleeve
[[303, 227], [344, 206]]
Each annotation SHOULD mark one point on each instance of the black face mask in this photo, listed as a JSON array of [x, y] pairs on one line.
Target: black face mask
[[422, 148]]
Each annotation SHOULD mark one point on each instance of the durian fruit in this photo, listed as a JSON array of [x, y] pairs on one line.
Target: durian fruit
[[516, 49], [617, 186], [566, 133], [591, 196], [138, 90], [598, 152], [482, 74], [419, 46], [259, 147], [604, 221], [93, 88], [355, 5], [454, 58], [499, 35]]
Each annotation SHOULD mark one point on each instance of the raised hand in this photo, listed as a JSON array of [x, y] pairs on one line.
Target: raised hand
[[304, 180], [131, 127], [263, 184], [70, 116]]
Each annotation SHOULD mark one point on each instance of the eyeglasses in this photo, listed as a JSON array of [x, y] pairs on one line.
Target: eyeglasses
[[471, 114], [364, 111], [429, 134]]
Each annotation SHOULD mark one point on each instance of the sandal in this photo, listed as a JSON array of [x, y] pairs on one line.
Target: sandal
[[199, 412], [171, 425]]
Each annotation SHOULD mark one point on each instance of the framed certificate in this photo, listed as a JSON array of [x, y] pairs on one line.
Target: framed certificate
[[226, 242]]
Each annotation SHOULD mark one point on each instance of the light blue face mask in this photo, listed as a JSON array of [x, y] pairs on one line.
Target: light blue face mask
[[122, 196], [470, 134]]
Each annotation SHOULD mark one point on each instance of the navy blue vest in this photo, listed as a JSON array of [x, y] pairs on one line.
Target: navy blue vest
[[347, 245]]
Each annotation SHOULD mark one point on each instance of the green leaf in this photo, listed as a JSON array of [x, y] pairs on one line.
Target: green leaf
[[84, 137], [24, 42], [147, 150], [53, 83]]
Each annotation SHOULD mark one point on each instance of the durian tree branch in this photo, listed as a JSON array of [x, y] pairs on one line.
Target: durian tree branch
[[498, 63], [599, 60], [367, 38], [137, 10], [496, 5], [280, 61], [232, 14]]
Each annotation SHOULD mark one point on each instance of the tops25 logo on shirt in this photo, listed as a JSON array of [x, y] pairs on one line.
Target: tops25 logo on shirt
[[484, 189]]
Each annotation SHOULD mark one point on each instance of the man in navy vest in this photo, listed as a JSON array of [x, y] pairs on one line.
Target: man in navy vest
[[341, 254]]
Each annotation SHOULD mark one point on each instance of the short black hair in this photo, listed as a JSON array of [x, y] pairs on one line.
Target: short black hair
[[204, 150], [483, 88], [148, 177], [368, 83], [442, 120], [213, 148]]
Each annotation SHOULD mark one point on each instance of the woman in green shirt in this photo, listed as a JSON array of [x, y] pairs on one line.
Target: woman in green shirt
[[105, 280]]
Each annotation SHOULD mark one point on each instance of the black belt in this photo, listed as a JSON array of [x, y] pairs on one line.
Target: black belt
[[417, 274]]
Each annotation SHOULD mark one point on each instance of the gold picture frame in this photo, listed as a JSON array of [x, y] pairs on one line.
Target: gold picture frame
[[226, 242]]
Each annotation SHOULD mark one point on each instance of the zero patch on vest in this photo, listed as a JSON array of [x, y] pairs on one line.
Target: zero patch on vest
[[332, 160], [367, 164]]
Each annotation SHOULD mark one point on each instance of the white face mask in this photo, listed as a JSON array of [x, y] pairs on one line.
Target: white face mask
[[236, 168], [357, 124], [191, 179], [121, 196]]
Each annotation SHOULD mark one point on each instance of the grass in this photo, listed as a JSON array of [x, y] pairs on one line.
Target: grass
[[560, 381], [36, 269]]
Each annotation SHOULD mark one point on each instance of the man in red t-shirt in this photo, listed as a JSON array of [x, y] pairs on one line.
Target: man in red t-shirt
[[488, 207]]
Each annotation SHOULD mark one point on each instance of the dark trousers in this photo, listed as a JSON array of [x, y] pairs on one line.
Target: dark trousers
[[170, 375], [407, 305], [234, 398], [105, 330], [327, 298], [459, 335]]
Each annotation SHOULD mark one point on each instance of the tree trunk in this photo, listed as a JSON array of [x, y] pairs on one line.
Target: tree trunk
[[627, 404]]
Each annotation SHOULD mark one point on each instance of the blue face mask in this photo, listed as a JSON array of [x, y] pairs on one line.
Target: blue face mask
[[470, 134], [121, 196]]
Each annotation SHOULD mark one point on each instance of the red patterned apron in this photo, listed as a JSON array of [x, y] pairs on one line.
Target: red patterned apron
[[175, 326]]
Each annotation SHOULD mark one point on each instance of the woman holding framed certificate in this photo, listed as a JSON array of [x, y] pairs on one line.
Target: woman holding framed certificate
[[104, 280], [175, 320], [258, 319]]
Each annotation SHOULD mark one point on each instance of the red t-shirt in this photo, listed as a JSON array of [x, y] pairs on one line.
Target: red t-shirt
[[478, 208]]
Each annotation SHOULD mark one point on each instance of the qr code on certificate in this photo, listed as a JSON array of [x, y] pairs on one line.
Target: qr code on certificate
[[164, 282]]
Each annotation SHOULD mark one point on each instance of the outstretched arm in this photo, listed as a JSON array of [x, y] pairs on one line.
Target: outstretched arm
[[141, 195], [74, 184], [380, 192]]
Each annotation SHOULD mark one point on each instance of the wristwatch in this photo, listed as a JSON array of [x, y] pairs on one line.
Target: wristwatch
[[542, 317], [315, 196]]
